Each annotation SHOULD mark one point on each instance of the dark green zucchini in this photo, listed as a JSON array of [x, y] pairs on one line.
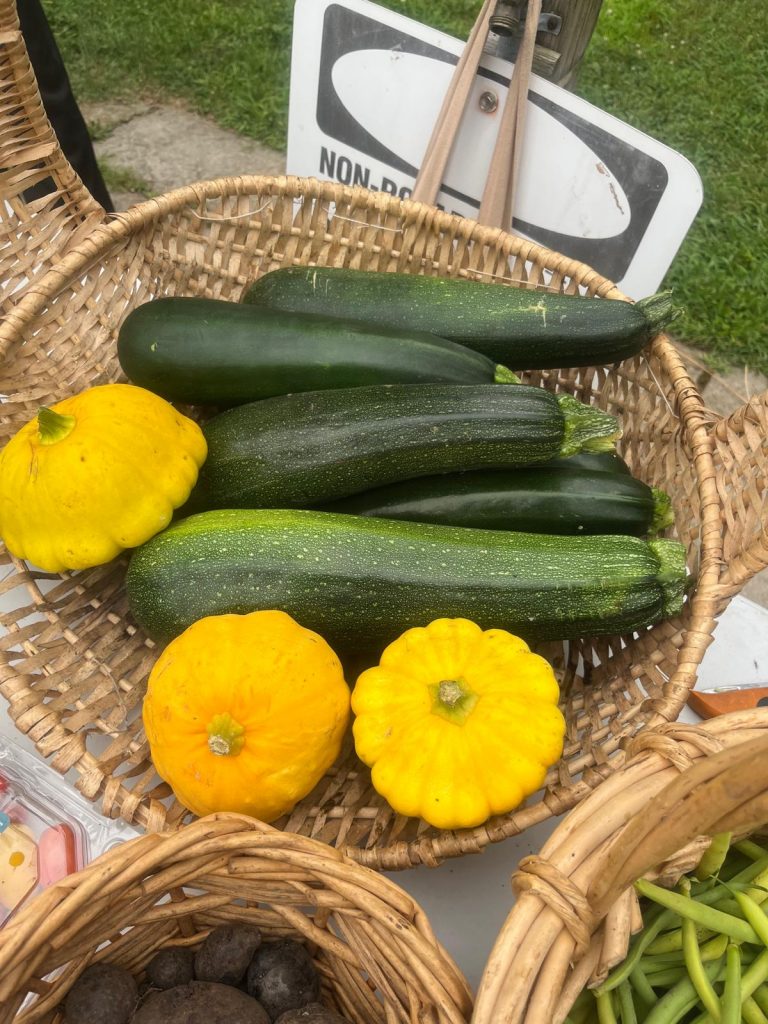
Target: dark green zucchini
[[207, 351], [520, 328], [546, 499], [595, 462], [298, 450], [360, 582]]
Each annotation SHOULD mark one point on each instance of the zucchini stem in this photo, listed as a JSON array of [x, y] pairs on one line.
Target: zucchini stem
[[671, 576], [659, 311], [663, 516], [503, 375], [585, 428]]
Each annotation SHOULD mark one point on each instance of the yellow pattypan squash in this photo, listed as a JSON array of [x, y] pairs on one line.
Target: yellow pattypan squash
[[245, 713], [95, 474], [457, 724]]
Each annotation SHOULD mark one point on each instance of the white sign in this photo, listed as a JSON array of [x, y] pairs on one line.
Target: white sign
[[366, 88]]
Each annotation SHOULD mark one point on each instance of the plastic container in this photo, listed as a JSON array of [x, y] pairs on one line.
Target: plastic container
[[46, 830]]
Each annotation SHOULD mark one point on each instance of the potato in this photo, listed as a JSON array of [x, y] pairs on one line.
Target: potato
[[171, 966], [201, 1002], [312, 1013], [282, 977], [226, 953], [103, 994]]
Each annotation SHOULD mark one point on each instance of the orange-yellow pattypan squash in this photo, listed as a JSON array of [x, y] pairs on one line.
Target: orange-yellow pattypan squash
[[245, 713], [457, 724], [95, 474]]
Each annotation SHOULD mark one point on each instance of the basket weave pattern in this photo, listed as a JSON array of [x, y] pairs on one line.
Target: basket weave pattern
[[373, 946], [73, 665]]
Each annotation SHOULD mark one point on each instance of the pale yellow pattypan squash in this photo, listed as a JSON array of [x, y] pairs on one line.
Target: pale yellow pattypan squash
[[457, 724], [245, 713], [95, 474]]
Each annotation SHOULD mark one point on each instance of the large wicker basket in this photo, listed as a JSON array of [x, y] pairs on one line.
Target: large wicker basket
[[377, 957], [576, 906], [74, 665]]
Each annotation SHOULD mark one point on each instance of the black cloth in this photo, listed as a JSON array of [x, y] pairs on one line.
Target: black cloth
[[59, 102]]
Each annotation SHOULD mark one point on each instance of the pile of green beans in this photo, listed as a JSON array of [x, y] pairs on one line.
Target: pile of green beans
[[702, 955]]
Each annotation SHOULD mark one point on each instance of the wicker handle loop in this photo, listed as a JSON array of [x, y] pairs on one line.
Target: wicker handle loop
[[669, 741], [727, 791], [44, 206], [542, 879]]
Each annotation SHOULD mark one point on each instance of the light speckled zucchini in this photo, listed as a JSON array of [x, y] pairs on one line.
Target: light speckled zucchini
[[360, 582], [521, 328], [298, 450]]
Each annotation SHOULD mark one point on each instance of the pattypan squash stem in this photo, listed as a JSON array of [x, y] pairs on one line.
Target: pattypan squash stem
[[453, 700], [53, 426], [226, 737]]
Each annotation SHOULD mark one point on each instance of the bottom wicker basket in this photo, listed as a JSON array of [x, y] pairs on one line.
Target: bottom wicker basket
[[377, 957], [576, 906]]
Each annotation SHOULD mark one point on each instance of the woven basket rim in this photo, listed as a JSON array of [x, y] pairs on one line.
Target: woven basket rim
[[119, 226], [233, 850], [695, 422]]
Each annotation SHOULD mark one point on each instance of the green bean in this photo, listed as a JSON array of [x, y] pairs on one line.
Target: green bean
[[760, 995], [730, 1004], [605, 1011], [755, 975], [751, 849], [653, 964], [714, 948], [644, 939], [726, 900], [674, 1004], [672, 941], [645, 994], [751, 871], [723, 891], [754, 915], [714, 856], [584, 1010], [626, 1004], [713, 919], [752, 1013], [703, 1018], [693, 959], [666, 978]]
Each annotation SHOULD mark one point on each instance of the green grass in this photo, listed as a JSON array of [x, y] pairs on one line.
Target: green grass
[[693, 75], [123, 179]]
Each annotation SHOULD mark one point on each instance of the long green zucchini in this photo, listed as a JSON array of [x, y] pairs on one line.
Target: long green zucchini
[[552, 498], [207, 351], [520, 328], [360, 582], [595, 462], [295, 451]]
